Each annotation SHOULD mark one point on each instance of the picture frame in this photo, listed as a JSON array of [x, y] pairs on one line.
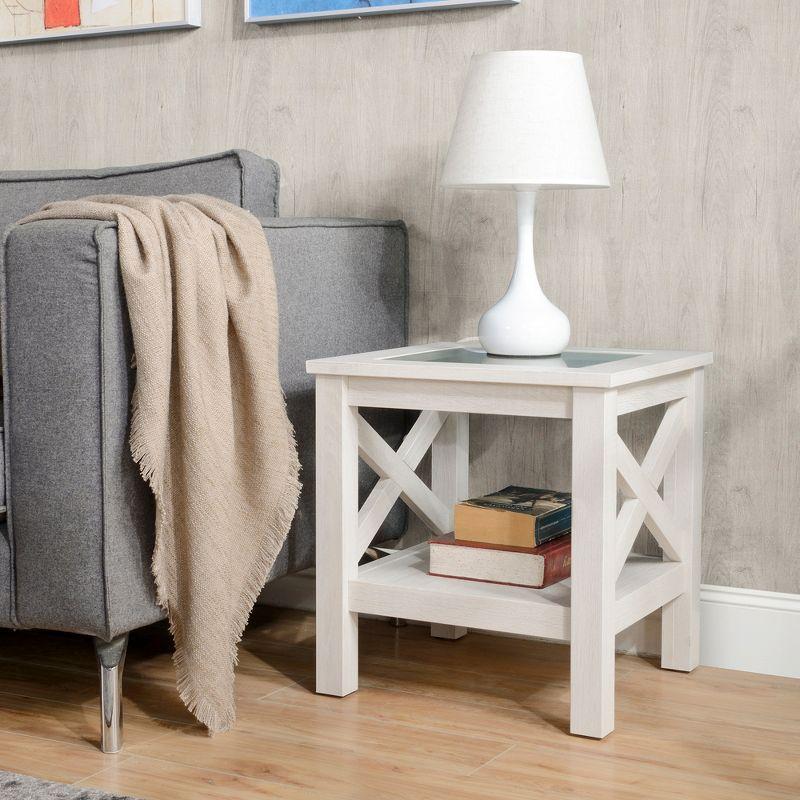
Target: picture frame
[[43, 20], [270, 12]]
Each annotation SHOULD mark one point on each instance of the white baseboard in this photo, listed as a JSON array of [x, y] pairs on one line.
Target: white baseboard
[[750, 630], [741, 629]]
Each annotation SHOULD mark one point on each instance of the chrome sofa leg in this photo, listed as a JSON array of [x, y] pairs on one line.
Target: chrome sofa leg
[[111, 662]]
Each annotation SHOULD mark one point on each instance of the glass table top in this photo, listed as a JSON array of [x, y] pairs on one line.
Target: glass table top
[[571, 359]]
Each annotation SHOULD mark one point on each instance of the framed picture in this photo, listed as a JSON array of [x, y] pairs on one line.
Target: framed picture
[[266, 12], [35, 20]]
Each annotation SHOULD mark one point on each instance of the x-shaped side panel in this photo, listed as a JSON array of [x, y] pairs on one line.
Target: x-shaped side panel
[[640, 485], [398, 479]]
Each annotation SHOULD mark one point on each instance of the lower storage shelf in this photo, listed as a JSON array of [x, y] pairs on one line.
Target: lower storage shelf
[[399, 586]]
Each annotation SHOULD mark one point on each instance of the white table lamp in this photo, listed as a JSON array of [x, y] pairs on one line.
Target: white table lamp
[[525, 123]]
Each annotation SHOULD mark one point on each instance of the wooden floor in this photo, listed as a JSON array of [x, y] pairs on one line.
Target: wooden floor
[[482, 717]]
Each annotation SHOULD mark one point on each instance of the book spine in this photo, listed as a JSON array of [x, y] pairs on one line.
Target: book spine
[[552, 525], [557, 566]]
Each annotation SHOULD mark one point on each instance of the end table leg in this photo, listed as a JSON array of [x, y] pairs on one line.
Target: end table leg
[[683, 492], [337, 525], [594, 506], [450, 483]]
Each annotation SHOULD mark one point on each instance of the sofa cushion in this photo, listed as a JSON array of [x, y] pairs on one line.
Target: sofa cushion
[[342, 288], [237, 176]]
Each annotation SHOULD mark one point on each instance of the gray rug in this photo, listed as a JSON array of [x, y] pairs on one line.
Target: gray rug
[[21, 787]]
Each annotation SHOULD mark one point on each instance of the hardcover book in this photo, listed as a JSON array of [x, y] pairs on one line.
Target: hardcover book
[[532, 567], [514, 516]]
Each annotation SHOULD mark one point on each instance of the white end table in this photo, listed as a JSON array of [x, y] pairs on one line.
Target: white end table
[[609, 589]]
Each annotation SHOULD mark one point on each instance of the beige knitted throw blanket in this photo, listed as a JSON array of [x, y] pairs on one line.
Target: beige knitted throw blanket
[[209, 428]]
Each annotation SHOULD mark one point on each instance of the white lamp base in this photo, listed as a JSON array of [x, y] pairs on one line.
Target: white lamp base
[[518, 327], [524, 322]]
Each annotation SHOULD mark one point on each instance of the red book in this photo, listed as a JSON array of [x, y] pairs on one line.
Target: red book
[[533, 567]]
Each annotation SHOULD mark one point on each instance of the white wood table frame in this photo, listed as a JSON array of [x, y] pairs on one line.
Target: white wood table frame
[[609, 590]]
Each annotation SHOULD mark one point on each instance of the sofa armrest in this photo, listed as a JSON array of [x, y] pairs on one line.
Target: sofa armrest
[[80, 519], [342, 288]]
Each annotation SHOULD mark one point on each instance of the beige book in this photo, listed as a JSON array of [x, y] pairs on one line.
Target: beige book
[[515, 516]]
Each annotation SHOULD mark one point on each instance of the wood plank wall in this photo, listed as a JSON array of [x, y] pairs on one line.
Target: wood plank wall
[[695, 246]]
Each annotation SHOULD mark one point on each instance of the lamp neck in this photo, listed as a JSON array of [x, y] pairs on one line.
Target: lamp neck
[[524, 277]]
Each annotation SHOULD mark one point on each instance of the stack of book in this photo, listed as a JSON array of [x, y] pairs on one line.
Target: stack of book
[[516, 536]]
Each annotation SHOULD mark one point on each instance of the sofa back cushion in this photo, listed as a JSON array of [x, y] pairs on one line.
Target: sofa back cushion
[[237, 176]]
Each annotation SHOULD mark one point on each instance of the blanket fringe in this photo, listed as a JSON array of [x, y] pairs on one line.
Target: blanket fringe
[[205, 711]]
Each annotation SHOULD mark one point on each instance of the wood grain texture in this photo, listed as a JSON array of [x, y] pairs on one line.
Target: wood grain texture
[[450, 483], [336, 529], [386, 492], [683, 492], [475, 718], [594, 517], [695, 246]]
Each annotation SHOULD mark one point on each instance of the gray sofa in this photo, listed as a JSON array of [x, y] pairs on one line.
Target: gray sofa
[[75, 549]]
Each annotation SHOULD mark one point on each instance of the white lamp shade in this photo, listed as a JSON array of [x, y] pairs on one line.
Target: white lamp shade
[[525, 121]]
